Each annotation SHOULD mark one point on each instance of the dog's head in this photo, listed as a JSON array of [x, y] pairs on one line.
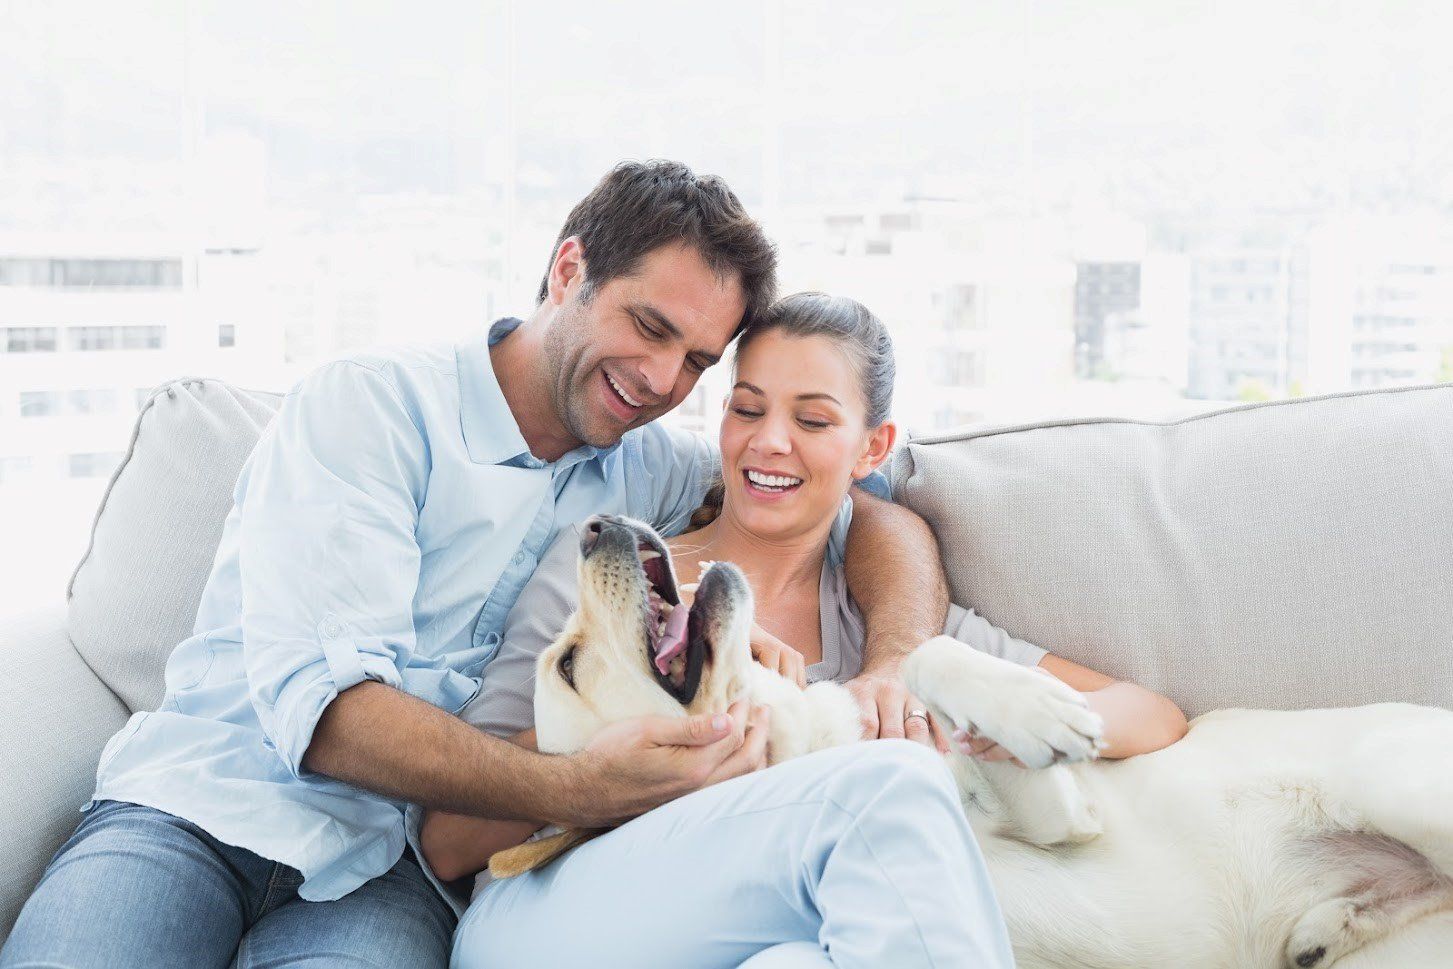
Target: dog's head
[[633, 648]]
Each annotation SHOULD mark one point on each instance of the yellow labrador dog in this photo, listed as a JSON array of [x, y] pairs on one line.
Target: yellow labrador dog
[[1263, 839]]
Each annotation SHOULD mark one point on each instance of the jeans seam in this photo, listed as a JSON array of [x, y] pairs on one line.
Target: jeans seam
[[278, 869]]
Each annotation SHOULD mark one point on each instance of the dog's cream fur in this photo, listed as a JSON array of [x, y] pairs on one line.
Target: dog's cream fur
[[1263, 839]]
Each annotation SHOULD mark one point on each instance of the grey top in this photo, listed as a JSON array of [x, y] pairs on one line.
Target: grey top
[[505, 704]]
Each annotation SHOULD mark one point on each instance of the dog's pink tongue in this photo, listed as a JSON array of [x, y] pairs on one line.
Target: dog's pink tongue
[[673, 638]]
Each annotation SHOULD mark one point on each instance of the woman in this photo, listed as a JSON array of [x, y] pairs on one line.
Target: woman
[[807, 416]]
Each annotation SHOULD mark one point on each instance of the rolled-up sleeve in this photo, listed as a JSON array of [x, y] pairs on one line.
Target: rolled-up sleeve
[[670, 471], [505, 704], [328, 557]]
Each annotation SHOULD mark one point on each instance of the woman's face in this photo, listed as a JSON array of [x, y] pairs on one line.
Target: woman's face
[[794, 435]]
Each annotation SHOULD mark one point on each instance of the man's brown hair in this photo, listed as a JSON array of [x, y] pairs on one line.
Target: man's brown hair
[[640, 206]]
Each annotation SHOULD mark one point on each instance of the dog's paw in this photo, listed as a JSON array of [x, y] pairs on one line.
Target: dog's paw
[[1028, 712], [1324, 934], [1042, 721]]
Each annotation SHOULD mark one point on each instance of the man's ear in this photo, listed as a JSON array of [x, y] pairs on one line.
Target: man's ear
[[880, 444], [567, 271]]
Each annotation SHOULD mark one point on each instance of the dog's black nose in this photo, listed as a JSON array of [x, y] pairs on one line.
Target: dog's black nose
[[590, 531]]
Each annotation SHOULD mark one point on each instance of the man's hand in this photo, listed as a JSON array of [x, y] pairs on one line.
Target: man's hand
[[636, 765], [777, 656], [894, 572], [883, 707]]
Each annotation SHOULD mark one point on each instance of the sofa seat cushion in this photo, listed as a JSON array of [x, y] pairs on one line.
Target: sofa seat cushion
[[1285, 555], [134, 596]]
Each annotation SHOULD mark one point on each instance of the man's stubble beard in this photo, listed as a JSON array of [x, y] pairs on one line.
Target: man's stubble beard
[[564, 347]]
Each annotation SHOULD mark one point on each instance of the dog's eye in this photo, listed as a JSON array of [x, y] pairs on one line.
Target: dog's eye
[[567, 667]]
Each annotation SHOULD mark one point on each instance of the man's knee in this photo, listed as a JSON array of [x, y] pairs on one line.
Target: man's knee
[[97, 903]]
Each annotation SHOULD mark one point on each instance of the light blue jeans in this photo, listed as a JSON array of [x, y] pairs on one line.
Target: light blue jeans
[[138, 887], [853, 857]]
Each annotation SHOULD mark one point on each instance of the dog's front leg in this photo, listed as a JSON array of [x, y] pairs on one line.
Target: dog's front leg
[[1038, 719]]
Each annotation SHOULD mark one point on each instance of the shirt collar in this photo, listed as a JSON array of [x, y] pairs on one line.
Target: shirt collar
[[491, 433]]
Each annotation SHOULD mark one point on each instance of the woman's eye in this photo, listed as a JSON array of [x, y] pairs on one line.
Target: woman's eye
[[815, 425], [744, 412], [567, 667]]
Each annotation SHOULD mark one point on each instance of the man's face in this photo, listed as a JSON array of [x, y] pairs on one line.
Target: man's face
[[636, 348]]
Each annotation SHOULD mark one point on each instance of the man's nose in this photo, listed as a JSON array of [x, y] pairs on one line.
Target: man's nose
[[661, 372]]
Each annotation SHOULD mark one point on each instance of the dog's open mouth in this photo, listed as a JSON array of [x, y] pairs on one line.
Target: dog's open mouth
[[676, 649], [666, 616], [677, 637]]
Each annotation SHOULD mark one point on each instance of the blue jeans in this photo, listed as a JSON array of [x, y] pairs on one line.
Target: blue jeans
[[857, 857], [138, 887]]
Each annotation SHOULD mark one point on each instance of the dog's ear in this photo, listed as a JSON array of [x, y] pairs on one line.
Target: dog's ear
[[536, 854]]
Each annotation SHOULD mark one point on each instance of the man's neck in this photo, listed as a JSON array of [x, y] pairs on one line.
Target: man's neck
[[523, 375]]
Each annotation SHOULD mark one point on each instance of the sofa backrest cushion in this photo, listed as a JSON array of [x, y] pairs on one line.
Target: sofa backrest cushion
[[134, 596], [1288, 555]]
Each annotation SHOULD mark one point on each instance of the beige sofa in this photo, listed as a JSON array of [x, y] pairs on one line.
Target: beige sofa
[[1280, 555]]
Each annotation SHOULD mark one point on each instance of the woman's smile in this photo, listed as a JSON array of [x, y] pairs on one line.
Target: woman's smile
[[764, 485]]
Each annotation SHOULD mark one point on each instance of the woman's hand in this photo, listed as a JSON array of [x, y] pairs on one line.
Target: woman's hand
[[777, 656], [982, 748], [886, 709]]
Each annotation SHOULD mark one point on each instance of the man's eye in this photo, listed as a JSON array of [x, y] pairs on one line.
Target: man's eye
[[567, 667]]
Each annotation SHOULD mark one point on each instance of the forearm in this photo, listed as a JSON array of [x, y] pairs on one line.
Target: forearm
[[456, 845], [384, 740], [896, 577], [1137, 721]]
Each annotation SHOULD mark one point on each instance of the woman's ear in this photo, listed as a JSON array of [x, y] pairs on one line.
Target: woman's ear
[[880, 444]]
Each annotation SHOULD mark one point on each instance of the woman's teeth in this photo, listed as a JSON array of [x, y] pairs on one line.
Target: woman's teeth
[[772, 482], [621, 391]]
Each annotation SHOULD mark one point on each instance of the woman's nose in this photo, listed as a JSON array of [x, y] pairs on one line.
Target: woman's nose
[[772, 437]]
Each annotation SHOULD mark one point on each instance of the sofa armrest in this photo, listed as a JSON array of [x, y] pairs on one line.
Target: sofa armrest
[[55, 716]]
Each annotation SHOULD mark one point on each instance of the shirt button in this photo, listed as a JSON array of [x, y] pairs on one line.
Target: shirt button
[[519, 558], [331, 628]]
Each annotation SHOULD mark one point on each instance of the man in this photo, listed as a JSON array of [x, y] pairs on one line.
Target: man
[[381, 531]]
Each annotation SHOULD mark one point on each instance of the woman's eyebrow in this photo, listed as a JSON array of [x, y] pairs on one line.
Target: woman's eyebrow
[[753, 388]]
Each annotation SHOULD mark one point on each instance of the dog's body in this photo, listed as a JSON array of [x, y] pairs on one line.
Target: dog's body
[[1263, 839]]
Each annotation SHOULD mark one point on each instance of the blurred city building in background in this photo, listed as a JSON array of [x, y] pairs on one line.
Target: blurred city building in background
[[1058, 209]]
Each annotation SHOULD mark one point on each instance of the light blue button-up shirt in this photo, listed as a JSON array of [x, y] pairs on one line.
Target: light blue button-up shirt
[[382, 529]]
